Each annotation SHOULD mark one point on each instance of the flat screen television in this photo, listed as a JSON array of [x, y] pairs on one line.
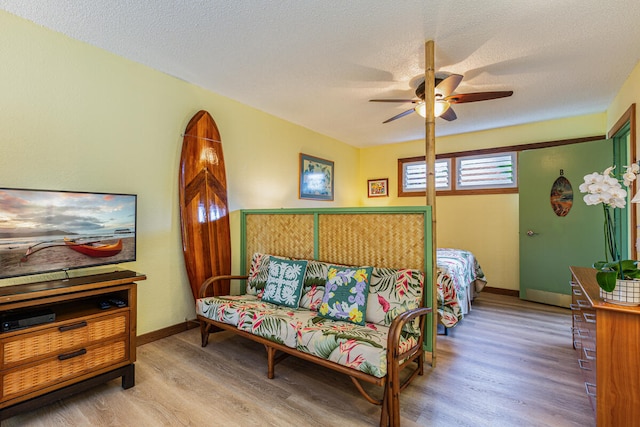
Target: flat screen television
[[42, 231]]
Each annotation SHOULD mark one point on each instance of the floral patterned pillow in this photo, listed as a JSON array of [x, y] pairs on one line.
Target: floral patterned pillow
[[345, 295], [284, 282]]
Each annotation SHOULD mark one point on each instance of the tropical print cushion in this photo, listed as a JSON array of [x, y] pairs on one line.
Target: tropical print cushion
[[345, 296], [284, 282], [259, 272], [358, 347], [276, 323], [393, 292], [314, 282], [227, 309]]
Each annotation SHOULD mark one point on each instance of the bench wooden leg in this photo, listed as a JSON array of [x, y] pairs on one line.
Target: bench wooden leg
[[204, 333], [384, 413], [392, 394], [271, 361]]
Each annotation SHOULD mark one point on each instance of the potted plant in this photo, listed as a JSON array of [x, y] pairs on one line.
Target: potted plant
[[616, 277]]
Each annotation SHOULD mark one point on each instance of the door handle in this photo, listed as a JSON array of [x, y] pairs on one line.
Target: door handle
[[531, 233]]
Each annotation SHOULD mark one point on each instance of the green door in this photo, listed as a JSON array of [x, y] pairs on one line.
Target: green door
[[549, 243]]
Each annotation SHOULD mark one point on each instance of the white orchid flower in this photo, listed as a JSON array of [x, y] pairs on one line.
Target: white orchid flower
[[610, 181], [618, 192], [598, 187], [628, 177], [592, 178], [617, 202], [605, 188], [584, 187], [591, 199]]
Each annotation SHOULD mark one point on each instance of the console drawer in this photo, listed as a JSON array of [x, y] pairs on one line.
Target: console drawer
[[61, 367], [30, 346]]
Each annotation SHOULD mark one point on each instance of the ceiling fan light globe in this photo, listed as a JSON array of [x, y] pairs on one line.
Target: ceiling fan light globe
[[440, 108]]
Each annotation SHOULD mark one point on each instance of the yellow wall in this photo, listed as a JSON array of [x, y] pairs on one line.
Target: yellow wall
[[629, 93], [487, 225], [75, 117]]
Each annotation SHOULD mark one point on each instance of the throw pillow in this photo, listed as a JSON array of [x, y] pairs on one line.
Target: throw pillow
[[345, 295], [284, 282]]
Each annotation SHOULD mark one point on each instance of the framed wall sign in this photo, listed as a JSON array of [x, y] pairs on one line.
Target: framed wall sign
[[378, 187], [316, 178]]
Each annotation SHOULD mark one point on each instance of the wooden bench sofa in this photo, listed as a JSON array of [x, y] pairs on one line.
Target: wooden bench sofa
[[366, 323]]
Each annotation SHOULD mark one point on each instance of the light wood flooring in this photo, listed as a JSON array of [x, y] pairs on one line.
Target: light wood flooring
[[508, 363]]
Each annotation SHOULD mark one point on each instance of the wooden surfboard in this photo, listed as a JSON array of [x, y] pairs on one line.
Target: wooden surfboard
[[204, 213]]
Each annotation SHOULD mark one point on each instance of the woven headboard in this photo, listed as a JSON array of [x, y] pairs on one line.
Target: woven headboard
[[394, 237], [354, 237]]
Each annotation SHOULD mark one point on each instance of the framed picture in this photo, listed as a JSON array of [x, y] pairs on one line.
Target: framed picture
[[316, 178], [378, 187]]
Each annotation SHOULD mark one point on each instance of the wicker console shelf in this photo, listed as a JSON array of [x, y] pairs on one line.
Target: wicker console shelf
[[607, 342], [79, 345]]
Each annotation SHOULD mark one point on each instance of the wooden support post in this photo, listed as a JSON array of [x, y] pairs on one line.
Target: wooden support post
[[430, 157]]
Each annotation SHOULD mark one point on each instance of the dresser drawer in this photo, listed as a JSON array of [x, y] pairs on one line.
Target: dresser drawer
[[60, 339], [64, 366]]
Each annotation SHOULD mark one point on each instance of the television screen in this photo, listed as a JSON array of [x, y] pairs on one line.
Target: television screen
[[43, 231]]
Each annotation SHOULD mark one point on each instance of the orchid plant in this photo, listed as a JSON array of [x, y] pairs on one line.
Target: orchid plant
[[605, 188]]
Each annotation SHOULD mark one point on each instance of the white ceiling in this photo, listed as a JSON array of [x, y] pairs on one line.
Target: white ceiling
[[317, 63]]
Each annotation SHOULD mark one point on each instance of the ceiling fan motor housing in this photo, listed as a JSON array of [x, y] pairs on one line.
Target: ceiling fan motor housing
[[420, 88]]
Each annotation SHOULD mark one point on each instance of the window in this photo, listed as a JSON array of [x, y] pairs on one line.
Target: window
[[454, 174], [486, 171], [414, 176]]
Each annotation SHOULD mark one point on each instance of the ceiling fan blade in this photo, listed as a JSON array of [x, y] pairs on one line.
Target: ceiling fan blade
[[449, 115], [448, 85], [414, 101], [460, 98], [404, 113]]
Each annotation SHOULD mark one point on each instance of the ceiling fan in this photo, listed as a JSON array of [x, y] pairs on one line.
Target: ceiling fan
[[444, 97]]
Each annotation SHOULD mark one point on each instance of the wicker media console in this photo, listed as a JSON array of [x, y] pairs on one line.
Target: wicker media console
[[76, 344]]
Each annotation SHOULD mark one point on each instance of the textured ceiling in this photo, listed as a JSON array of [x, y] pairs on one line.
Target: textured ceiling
[[317, 63]]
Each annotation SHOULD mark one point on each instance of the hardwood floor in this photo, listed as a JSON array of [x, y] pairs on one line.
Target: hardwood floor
[[508, 363]]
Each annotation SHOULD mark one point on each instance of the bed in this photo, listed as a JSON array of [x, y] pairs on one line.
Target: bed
[[459, 280]]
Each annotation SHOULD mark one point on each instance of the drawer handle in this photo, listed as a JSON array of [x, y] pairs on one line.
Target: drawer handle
[[589, 317], [582, 303], [574, 307], [577, 344], [72, 327], [583, 334], [581, 363], [72, 354], [588, 386], [577, 318], [577, 292], [587, 355]]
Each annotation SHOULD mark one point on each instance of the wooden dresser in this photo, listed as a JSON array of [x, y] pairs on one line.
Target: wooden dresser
[[607, 341], [79, 345]]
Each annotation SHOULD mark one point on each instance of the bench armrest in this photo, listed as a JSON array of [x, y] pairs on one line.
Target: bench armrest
[[397, 359], [214, 283], [394, 353]]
